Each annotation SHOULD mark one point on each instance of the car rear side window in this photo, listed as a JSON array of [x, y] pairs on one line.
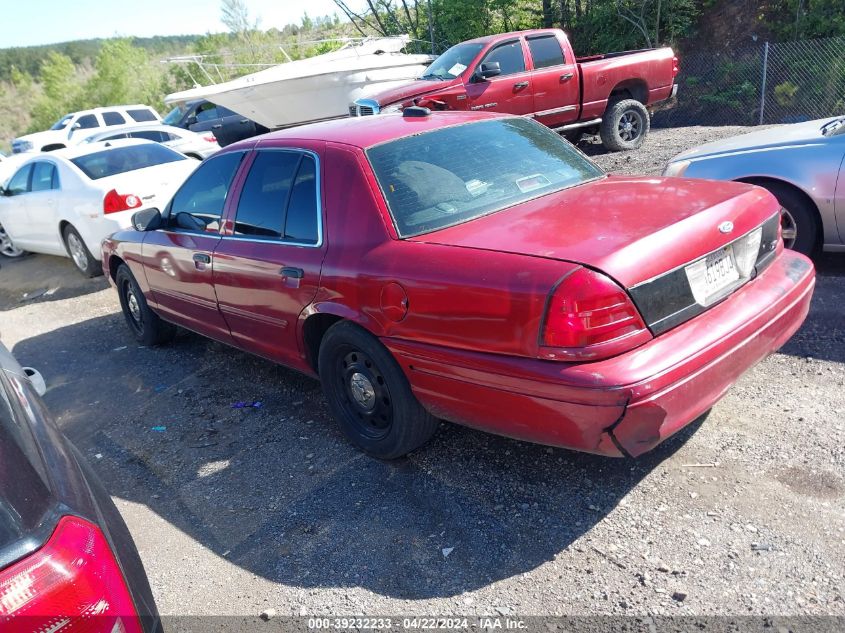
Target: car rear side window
[[261, 208], [510, 58], [86, 122], [119, 160], [203, 195], [545, 51], [43, 176], [113, 118], [142, 115]]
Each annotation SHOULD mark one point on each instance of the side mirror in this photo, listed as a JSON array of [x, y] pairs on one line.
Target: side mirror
[[147, 219], [36, 379], [188, 222], [489, 69], [192, 120]]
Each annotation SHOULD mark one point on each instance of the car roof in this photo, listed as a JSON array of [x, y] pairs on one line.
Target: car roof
[[498, 37], [152, 125], [76, 151], [368, 131]]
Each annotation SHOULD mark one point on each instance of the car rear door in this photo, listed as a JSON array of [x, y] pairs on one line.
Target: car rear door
[[511, 90], [267, 264], [554, 80], [178, 258]]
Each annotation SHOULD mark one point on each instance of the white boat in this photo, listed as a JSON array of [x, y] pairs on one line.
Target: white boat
[[316, 88]]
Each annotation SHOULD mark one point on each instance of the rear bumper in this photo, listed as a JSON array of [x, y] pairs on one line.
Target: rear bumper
[[624, 405]]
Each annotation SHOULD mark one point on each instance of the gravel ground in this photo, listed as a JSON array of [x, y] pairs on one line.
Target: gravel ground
[[236, 511]]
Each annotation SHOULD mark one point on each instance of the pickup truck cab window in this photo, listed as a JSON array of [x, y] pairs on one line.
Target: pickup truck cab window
[[113, 118], [203, 195], [455, 174], [510, 57], [87, 121], [545, 51]]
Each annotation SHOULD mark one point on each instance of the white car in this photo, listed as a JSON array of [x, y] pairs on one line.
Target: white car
[[75, 127], [199, 146], [66, 202]]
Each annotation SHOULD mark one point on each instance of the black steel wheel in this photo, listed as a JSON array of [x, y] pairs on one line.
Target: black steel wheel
[[369, 394], [146, 326]]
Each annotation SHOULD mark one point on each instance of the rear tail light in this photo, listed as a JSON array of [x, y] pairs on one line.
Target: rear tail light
[[675, 68], [590, 317], [114, 202], [210, 138], [72, 583]]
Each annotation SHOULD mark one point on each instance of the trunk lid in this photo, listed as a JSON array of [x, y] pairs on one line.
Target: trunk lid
[[632, 229], [153, 185]]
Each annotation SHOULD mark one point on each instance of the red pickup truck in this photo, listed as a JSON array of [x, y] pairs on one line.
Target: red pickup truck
[[535, 73]]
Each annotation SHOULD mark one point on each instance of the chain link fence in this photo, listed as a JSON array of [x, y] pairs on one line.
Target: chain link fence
[[758, 85]]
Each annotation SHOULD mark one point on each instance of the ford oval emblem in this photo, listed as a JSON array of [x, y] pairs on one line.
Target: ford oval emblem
[[726, 227]]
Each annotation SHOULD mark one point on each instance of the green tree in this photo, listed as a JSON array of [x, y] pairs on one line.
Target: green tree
[[60, 91]]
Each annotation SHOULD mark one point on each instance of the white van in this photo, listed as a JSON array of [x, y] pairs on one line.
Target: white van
[[75, 127]]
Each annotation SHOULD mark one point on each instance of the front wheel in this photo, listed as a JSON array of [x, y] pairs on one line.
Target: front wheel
[[79, 253], [624, 125], [369, 395], [7, 247], [147, 327]]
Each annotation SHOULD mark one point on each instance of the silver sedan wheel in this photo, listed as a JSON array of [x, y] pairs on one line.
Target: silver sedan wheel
[[77, 251], [788, 228], [7, 248]]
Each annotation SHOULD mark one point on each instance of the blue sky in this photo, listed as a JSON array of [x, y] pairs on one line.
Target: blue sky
[[32, 22]]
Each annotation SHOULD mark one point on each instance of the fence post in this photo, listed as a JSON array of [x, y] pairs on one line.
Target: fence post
[[763, 87]]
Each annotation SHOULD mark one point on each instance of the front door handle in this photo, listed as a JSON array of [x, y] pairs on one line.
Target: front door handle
[[292, 273], [216, 126], [202, 258], [521, 85], [244, 121], [566, 77]]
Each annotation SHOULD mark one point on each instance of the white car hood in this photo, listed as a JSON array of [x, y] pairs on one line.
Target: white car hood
[[39, 139], [780, 136]]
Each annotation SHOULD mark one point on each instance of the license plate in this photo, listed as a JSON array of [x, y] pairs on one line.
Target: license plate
[[710, 276]]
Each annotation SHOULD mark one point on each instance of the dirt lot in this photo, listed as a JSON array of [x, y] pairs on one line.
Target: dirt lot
[[239, 510]]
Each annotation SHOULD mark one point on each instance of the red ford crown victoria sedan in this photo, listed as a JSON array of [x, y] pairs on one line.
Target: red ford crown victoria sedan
[[470, 267]]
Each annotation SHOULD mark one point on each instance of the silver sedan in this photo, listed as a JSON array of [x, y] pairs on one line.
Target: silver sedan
[[801, 164]]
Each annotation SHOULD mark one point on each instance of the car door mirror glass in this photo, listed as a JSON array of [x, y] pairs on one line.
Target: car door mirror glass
[[147, 219], [489, 69], [192, 120]]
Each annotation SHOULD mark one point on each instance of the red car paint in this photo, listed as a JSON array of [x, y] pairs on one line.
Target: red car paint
[[559, 95], [461, 308]]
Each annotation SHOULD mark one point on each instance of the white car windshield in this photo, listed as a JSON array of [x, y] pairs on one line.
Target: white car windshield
[[118, 160], [455, 174]]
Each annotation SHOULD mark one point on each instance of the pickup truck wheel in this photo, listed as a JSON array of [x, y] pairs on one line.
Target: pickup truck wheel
[[369, 395], [146, 326], [7, 247], [79, 253], [624, 125]]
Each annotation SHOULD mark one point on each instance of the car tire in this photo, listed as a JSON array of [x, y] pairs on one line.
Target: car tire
[[624, 126], [369, 394], [79, 253], [7, 247], [799, 222], [147, 327]]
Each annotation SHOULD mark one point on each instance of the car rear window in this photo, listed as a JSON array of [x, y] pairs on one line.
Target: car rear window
[[455, 174], [142, 115], [118, 160]]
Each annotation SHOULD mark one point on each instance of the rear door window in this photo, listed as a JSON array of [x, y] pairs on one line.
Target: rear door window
[[510, 57], [302, 218], [265, 196], [203, 195], [142, 115], [43, 176], [545, 51], [113, 118], [87, 122]]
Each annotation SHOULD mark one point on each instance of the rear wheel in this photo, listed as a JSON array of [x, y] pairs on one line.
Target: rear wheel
[[624, 125], [798, 221], [79, 253], [7, 247], [369, 395], [146, 326]]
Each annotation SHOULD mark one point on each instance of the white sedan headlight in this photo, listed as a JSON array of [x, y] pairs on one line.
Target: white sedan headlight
[[676, 169]]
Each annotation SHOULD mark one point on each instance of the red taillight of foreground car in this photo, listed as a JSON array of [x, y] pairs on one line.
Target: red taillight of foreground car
[[114, 202], [72, 583], [210, 138], [590, 317]]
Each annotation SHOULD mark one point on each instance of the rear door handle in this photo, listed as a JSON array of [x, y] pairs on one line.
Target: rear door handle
[[521, 85], [292, 273], [244, 121], [202, 258], [216, 126], [566, 77]]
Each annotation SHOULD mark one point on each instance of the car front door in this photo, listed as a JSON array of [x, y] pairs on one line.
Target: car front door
[[178, 257], [41, 207], [234, 127], [510, 91], [267, 264], [13, 213], [555, 82]]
